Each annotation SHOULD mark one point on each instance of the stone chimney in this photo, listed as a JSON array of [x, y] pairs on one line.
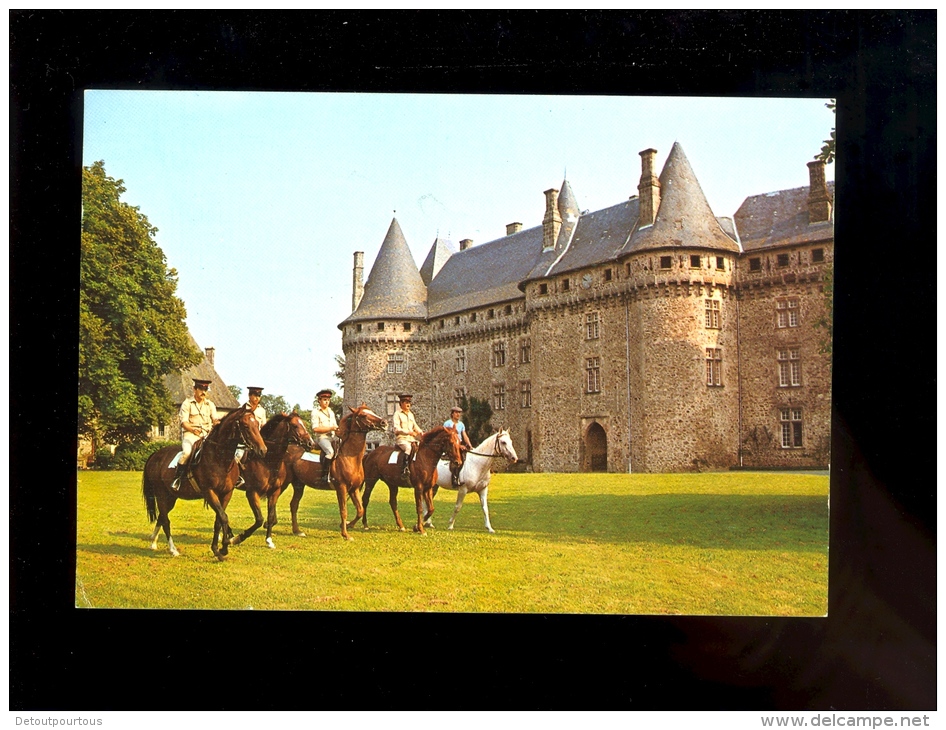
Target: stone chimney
[[552, 223], [466, 243], [358, 280], [819, 204], [649, 189], [209, 352], [513, 228]]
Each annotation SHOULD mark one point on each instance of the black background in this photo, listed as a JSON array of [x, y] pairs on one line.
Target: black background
[[876, 650]]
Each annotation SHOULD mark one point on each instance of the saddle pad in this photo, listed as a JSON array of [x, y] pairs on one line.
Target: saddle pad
[[309, 456], [393, 458], [173, 464]]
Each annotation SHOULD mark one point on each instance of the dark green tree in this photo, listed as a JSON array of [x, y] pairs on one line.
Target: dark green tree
[[131, 323], [476, 416], [274, 404], [827, 151], [235, 391], [340, 373]]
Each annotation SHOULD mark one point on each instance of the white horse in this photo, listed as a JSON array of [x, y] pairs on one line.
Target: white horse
[[476, 471]]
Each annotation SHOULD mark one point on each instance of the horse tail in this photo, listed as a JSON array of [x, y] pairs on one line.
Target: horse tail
[[147, 492]]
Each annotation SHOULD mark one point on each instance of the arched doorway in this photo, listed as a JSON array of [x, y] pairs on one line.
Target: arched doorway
[[596, 448]]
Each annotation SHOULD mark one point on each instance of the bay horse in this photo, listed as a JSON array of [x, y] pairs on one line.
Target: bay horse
[[267, 476], [346, 470], [477, 471], [433, 444], [211, 474]]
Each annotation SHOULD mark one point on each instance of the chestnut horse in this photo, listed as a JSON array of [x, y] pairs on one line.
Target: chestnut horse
[[346, 470], [433, 444], [211, 474], [267, 476]]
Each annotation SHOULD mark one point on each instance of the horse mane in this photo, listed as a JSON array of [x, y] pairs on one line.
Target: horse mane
[[432, 435], [274, 422], [227, 423]]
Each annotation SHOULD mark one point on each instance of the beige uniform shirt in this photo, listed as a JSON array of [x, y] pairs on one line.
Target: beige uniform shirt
[[259, 412], [404, 425], [321, 419], [200, 415]]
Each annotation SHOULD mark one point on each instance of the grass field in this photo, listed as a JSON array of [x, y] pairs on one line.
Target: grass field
[[722, 543]]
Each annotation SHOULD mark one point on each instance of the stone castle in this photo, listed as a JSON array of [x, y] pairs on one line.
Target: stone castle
[[650, 336]]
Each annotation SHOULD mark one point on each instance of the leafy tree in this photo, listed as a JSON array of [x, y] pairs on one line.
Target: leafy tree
[[306, 416], [274, 404], [476, 415], [131, 323], [827, 151], [826, 320], [235, 391], [340, 373]]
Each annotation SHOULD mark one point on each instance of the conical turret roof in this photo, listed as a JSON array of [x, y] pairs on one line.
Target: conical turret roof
[[568, 203], [436, 258], [684, 218], [394, 289]]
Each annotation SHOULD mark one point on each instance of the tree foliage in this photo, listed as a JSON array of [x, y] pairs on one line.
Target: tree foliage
[[274, 404], [826, 320], [235, 391], [131, 323], [340, 373], [476, 416], [827, 151]]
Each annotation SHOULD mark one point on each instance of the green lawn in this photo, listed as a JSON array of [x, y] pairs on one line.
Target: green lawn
[[727, 543]]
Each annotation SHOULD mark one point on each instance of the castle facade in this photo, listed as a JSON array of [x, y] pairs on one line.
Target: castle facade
[[650, 336]]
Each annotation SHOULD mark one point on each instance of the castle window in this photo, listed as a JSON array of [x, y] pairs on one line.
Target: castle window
[[508, 309], [358, 328], [442, 323], [593, 375], [566, 285], [782, 259], [714, 366], [456, 320], [162, 430], [627, 268], [391, 403], [608, 274], [787, 312], [592, 330], [525, 394], [407, 326], [472, 316], [695, 262], [666, 262], [789, 368], [499, 354], [712, 314], [499, 396], [755, 264], [461, 360], [396, 362], [380, 326], [525, 351], [459, 395], [543, 288], [720, 263], [791, 423], [491, 314], [817, 255]]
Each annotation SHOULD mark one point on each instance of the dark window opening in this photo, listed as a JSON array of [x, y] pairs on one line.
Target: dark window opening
[[607, 274], [543, 288], [380, 326], [508, 309], [695, 262], [817, 255], [665, 262], [782, 259], [566, 285], [407, 326], [491, 314], [755, 264], [720, 263]]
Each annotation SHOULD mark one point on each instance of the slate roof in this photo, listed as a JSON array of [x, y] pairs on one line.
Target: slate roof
[[684, 218], [436, 258], [394, 289], [181, 384], [600, 236], [780, 219]]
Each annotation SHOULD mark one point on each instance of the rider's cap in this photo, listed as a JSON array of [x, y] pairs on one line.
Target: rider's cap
[[202, 384], [405, 398], [456, 409], [254, 390], [325, 392]]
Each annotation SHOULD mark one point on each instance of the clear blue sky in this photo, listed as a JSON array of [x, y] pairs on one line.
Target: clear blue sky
[[262, 198]]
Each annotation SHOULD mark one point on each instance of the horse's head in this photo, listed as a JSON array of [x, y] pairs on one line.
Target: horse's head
[[248, 427], [451, 446], [362, 419], [504, 447], [298, 433]]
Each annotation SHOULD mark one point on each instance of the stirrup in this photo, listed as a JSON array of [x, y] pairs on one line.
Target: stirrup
[[240, 482], [176, 485]]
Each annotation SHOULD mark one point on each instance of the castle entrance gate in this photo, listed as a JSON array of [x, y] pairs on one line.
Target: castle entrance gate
[[596, 449]]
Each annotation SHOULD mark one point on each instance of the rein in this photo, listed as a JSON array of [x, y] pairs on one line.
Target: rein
[[497, 454]]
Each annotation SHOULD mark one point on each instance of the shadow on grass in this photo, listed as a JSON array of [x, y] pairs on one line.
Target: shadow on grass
[[738, 522]]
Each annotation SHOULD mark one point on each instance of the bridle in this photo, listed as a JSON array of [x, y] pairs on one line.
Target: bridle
[[497, 450], [360, 423]]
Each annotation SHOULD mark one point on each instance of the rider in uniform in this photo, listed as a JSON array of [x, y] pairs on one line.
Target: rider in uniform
[[197, 416], [323, 426], [406, 431], [456, 424], [252, 404]]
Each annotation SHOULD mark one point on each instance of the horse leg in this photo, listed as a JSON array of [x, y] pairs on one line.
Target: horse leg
[[252, 498], [359, 508], [482, 493], [461, 493], [297, 490], [419, 504], [165, 505], [271, 520], [392, 500], [221, 526], [369, 487], [342, 493], [429, 512]]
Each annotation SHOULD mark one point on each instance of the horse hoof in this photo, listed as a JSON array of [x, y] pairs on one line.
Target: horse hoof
[[175, 554], [270, 544], [300, 533], [491, 531]]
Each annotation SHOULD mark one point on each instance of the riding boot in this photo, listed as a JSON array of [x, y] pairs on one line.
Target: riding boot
[[406, 472], [179, 474], [324, 463], [327, 471], [240, 482], [455, 476]]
